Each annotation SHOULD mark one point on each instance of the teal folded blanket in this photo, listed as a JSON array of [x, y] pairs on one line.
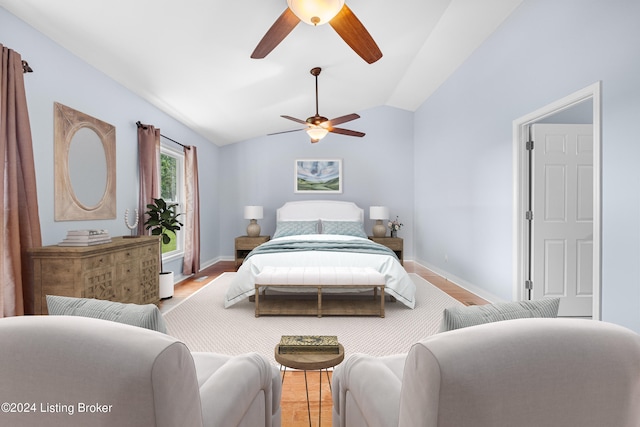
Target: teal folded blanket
[[356, 245]]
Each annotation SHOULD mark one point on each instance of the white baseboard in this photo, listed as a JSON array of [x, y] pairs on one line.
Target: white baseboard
[[474, 289], [180, 277], [209, 263]]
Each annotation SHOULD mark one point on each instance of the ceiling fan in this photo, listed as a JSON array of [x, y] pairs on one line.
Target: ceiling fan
[[318, 126], [318, 12]]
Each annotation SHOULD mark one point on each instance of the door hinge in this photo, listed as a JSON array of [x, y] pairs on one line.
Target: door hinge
[[528, 216], [529, 145], [528, 284]]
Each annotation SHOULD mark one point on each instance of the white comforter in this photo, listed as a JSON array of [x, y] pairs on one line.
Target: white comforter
[[398, 283]]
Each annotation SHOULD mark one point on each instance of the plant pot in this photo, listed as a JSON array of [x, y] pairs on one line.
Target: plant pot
[[166, 285]]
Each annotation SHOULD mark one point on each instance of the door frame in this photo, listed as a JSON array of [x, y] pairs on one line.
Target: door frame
[[520, 189]]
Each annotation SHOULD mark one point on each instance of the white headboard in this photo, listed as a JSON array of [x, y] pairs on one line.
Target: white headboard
[[310, 210]]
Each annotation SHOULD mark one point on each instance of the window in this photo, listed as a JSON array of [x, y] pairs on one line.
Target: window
[[172, 191]]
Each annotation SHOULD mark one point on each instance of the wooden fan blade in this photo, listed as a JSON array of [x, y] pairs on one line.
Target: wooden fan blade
[[347, 132], [278, 31], [302, 122], [284, 131], [343, 119], [349, 27]]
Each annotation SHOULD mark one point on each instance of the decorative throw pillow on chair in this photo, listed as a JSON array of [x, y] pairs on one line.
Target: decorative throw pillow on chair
[[145, 316], [461, 317]]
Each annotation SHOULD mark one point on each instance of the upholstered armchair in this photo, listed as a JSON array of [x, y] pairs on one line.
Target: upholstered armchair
[[76, 371], [525, 373]]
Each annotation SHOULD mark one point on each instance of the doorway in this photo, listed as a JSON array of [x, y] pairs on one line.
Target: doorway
[[526, 265]]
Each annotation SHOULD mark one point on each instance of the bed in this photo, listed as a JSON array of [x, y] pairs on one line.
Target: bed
[[321, 233]]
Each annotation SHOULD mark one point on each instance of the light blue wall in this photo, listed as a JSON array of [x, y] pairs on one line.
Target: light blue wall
[[377, 170], [60, 76], [545, 51]]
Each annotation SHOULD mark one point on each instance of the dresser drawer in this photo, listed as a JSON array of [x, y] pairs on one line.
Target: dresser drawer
[[97, 261]]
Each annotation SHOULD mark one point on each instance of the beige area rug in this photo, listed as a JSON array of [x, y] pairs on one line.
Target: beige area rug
[[203, 324]]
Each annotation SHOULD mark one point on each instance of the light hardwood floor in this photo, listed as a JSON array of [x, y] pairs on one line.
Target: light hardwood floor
[[294, 398]]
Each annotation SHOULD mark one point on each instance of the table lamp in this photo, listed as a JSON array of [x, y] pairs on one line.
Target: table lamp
[[379, 213], [253, 213]]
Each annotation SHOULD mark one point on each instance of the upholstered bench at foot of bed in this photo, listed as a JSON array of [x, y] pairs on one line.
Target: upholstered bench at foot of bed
[[319, 279]]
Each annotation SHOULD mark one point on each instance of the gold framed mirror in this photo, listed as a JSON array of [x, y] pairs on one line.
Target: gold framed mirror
[[85, 166]]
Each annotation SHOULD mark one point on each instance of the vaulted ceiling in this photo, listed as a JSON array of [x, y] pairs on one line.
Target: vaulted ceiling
[[191, 58]]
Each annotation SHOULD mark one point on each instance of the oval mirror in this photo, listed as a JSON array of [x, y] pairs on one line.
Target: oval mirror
[[87, 167]]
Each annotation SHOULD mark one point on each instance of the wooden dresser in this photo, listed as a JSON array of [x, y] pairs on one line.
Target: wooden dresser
[[125, 270]]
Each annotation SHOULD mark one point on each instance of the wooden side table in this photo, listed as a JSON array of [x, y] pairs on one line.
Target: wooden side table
[[245, 244], [310, 361], [396, 244]]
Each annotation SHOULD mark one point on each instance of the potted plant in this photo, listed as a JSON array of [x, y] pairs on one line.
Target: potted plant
[[161, 219]]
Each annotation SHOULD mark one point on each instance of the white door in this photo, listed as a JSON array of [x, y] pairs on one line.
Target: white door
[[562, 205]]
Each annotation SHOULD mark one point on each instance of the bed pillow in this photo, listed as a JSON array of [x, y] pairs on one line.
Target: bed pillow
[[345, 228], [295, 228], [461, 317], [145, 316]]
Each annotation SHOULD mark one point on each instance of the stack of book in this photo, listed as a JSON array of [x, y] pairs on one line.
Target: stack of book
[[309, 344], [85, 238]]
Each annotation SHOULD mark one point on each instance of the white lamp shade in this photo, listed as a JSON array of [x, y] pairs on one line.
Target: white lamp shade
[[253, 212], [317, 132], [378, 212], [315, 12]]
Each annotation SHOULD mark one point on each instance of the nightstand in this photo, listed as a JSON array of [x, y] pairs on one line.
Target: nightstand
[[396, 244], [245, 244]]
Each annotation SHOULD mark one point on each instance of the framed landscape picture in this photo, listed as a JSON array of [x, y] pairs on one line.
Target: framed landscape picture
[[318, 176]]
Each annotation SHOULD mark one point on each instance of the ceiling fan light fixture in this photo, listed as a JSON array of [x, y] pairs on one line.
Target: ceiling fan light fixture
[[317, 132], [315, 12]]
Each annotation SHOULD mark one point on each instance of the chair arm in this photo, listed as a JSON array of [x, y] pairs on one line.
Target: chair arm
[[374, 384], [229, 392]]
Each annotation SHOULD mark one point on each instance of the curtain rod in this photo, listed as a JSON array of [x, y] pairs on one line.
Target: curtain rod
[[26, 68], [140, 125]]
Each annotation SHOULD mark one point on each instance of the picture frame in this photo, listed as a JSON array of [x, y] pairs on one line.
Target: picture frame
[[318, 176]]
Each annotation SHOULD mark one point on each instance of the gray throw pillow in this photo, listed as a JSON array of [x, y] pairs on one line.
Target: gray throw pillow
[[461, 317], [145, 316], [295, 228], [344, 228]]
